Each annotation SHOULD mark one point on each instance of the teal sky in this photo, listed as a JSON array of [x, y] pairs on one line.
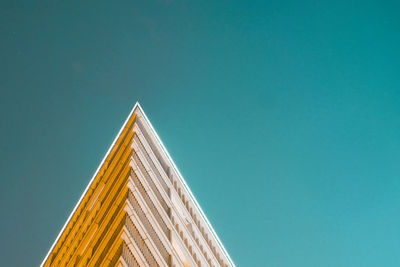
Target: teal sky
[[283, 116]]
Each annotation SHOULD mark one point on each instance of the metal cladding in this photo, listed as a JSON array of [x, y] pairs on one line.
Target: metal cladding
[[137, 211]]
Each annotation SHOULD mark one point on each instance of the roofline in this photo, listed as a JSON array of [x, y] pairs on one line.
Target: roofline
[[137, 105]]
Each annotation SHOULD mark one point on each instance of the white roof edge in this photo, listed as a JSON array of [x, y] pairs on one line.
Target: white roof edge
[[137, 105], [185, 185], [90, 183]]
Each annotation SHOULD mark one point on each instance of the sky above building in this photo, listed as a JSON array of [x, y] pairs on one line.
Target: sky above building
[[283, 117]]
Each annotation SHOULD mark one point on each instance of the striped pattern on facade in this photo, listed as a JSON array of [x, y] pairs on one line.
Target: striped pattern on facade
[[137, 211]]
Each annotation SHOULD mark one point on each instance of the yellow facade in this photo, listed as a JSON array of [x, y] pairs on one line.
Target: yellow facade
[[93, 235]]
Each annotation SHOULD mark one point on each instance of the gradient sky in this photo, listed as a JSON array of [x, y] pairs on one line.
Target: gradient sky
[[283, 116]]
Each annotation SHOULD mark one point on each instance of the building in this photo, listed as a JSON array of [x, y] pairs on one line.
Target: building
[[137, 210]]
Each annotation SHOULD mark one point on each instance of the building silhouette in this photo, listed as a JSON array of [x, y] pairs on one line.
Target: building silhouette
[[137, 210]]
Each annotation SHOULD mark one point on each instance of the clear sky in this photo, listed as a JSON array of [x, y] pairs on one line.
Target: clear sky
[[283, 116]]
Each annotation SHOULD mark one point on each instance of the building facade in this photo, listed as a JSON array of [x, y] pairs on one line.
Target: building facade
[[137, 210]]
